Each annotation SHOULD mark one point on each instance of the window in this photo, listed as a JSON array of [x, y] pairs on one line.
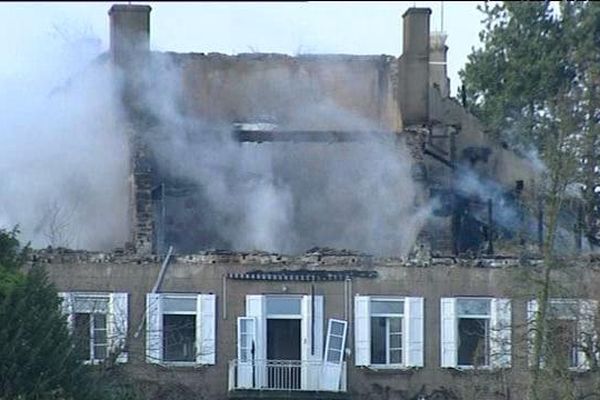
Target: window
[[386, 331], [284, 307], [280, 327], [475, 332], [98, 323], [389, 331], [569, 331], [180, 328]]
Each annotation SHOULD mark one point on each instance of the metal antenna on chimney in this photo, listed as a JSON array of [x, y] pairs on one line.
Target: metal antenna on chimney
[[442, 17]]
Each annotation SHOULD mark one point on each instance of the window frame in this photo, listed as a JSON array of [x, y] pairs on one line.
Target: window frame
[[388, 316], [91, 359], [116, 311], [205, 313], [580, 317], [187, 296], [487, 338]]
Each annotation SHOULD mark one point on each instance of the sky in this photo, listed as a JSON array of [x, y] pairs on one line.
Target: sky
[[32, 31]]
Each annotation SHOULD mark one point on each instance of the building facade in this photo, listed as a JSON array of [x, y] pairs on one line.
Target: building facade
[[450, 318]]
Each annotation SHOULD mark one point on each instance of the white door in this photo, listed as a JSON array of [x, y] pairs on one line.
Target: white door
[[334, 355], [246, 352]]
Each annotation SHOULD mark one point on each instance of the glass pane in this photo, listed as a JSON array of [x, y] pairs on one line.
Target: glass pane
[[395, 341], [90, 305], [473, 341], [81, 336], [246, 326], [562, 343], [396, 356], [337, 328], [179, 337], [387, 307], [395, 325], [473, 307], [378, 340], [563, 309], [334, 356], [283, 306], [178, 304], [99, 352], [243, 340], [335, 342], [99, 321], [100, 336]]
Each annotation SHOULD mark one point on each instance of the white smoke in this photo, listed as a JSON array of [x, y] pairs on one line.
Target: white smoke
[[64, 158], [282, 196]]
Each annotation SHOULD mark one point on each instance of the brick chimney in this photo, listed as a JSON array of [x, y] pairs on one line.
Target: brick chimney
[[414, 88], [129, 33], [129, 51]]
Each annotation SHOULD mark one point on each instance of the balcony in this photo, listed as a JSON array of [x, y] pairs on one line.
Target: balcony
[[286, 379]]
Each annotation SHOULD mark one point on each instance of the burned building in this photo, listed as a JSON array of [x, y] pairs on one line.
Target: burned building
[[318, 226], [321, 122]]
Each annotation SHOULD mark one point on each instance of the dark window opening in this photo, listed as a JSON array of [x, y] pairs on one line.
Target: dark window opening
[[179, 337], [81, 336], [473, 337], [562, 343], [386, 340], [91, 340], [283, 349]]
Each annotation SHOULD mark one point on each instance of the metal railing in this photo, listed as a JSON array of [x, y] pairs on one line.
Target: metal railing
[[290, 375]]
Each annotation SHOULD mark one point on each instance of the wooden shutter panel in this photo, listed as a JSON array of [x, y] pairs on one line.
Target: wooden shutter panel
[[117, 325], [500, 334], [448, 343], [206, 329], [154, 327], [414, 331], [362, 331]]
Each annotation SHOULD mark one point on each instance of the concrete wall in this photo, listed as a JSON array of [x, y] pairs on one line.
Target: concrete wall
[[305, 92], [431, 280]]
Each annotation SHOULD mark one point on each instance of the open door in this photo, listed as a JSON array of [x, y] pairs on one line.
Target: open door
[[246, 352], [334, 355]]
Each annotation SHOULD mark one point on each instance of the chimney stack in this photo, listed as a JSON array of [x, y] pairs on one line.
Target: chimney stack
[[129, 51], [415, 67], [129, 33]]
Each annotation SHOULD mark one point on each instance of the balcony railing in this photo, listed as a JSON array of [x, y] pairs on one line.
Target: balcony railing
[[289, 375]]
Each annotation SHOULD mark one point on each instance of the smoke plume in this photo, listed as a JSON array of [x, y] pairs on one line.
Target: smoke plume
[[64, 159]]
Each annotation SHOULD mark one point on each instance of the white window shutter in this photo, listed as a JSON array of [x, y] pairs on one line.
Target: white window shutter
[[448, 344], [117, 325], [308, 331], [532, 309], [414, 332], [154, 322], [311, 340], [362, 331], [588, 337], [256, 307], [206, 329], [66, 307], [500, 334]]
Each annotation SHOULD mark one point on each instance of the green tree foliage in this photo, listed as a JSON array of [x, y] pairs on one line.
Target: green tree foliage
[[536, 84], [521, 67], [37, 358]]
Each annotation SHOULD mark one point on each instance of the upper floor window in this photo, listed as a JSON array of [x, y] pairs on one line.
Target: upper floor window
[[98, 323], [569, 333], [180, 328], [389, 331], [386, 331], [475, 332]]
